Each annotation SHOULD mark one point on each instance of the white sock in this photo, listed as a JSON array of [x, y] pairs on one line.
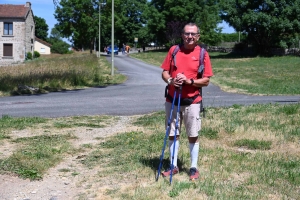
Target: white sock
[[171, 146], [194, 152]]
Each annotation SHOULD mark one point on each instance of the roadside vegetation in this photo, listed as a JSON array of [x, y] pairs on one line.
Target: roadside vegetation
[[247, 152], [57, 73], [249, 75]]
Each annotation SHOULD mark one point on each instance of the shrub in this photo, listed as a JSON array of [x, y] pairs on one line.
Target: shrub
[[29, 56], [36, 54], [60, 47]]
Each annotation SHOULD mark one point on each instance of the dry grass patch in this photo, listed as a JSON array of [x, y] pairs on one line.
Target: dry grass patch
[[117, 158]]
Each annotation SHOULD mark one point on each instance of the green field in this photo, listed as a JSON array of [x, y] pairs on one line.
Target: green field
[[246, 152]]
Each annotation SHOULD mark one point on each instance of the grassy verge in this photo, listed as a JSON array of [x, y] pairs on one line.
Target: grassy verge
[[56, 73], [45, 145], [266, 76], [249, 152]]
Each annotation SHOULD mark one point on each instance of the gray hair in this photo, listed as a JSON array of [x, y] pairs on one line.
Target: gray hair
[[191, 24]]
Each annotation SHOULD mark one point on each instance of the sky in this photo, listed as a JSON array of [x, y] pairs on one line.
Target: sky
[[45, 10]]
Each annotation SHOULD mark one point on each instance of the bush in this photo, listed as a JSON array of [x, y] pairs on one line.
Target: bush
[[29, 56], [60, 47], [36, 54]]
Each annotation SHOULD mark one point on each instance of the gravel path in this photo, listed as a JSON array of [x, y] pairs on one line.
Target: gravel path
[[57, 185]]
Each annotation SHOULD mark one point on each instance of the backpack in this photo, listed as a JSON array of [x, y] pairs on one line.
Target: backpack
[[200, 69]]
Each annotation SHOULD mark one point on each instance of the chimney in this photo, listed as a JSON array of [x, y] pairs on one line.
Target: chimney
[[28, 4]]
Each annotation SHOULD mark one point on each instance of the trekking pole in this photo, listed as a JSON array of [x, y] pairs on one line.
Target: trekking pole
[[166, 136], [175, 134]]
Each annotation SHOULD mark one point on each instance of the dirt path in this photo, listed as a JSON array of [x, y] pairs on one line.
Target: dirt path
[[64, 185]]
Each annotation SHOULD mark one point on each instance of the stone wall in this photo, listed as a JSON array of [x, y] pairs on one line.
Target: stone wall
[[29, 33]]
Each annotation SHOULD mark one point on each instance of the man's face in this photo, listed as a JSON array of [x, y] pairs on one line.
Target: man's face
[[190, 35]]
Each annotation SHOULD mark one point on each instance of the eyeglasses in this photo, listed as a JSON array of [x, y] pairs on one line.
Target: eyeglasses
[[192, 34]]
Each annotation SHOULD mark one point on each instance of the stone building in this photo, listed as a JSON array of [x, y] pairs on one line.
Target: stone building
[[17, 29]]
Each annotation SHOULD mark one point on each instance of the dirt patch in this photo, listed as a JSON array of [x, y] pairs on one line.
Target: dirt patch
[[75, 181]]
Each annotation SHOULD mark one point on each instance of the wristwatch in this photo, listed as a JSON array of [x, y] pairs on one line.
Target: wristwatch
[[192, 81], [170, 80]]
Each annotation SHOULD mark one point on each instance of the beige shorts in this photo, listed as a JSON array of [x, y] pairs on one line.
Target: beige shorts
[[190, 116]]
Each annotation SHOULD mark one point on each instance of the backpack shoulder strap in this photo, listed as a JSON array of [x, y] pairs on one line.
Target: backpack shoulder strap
[[200, 72], [175, 52], [201, 61]]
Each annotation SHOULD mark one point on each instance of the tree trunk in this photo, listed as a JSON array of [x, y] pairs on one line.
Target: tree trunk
[[91, 46]]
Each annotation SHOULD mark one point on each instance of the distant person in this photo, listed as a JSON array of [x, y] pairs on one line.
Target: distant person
[[105, 49], [123, 48], [127, 48]]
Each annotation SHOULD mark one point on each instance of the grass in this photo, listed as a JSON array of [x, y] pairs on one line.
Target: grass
[[262, 168], [56, 73], [246, 152], [257, 75], [37, 155], [38, 152]]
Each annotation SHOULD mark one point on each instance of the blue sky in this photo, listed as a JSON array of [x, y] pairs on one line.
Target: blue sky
[[45, 9]]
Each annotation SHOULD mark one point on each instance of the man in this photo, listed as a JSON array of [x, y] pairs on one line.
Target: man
[[123, 48], [185, 74], [127, 49]]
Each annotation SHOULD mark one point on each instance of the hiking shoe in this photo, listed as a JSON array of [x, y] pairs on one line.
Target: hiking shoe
[[194, 174], [168, 172]]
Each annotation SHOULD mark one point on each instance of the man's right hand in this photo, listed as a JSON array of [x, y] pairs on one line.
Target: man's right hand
[[177, 82], [179, 79]]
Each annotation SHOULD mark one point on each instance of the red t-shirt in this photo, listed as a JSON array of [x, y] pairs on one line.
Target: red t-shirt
[[187, 62]]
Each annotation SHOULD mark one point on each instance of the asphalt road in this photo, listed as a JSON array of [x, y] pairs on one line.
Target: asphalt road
[[142, 93]]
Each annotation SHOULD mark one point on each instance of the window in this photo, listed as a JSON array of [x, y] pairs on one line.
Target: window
[[8, 28], [7, 50], [43, 50]]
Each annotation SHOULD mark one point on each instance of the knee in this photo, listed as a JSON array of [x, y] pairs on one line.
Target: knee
[[193, 139], [172, 137]]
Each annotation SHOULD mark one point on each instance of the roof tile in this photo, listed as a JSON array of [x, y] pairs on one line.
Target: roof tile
[[13, 11]]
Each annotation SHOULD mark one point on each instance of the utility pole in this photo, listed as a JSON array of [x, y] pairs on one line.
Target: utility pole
[[100, 4], [112, 37], [99, 30]]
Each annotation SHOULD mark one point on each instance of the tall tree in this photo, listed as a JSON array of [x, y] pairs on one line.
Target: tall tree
[[41, 28], [58, 45], [78, 20], [202, 12], [55, 35], [156, 23], [269, 23], [129, 20]]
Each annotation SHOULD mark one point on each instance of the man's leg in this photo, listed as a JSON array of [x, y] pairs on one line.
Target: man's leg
[[194, 151], [192, 122], [173, 151]]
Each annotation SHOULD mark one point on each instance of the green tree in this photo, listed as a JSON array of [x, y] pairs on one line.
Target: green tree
[[55, 35], [155, 23], [129, 20], [41, 28], [79, 21], [268, 23], [202, 12], [58, 45]]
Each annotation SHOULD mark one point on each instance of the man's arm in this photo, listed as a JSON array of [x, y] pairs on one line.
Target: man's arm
[[201, 82], [167, 77]]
